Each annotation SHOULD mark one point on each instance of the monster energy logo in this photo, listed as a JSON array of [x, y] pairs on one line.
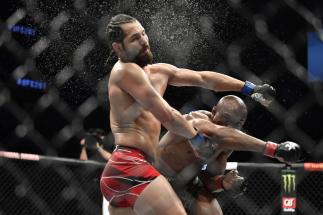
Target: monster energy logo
[[289, 183]]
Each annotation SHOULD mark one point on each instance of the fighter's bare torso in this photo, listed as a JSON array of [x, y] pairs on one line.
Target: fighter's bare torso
[[131, 124], [174, 152]]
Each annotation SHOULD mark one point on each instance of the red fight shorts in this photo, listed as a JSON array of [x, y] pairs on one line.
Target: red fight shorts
[[125, 176]]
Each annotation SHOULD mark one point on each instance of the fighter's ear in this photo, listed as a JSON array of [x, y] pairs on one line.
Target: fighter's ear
[[214, 109], [117, 47]]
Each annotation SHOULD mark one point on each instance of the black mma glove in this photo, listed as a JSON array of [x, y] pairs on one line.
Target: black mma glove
[[263, 94], [231, 182], [234, 184], [287, 152], [94, 136]]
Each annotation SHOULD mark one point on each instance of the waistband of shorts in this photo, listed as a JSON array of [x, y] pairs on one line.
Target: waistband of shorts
[[135, 150]]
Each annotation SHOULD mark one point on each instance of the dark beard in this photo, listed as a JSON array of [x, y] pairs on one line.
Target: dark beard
[[143, 61]]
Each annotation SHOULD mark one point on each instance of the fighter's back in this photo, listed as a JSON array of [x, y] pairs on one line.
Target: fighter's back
[[175, 152]]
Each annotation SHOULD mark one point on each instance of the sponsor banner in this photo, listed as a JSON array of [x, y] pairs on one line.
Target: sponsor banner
[[289, 204], [288, 189], [314, 56]]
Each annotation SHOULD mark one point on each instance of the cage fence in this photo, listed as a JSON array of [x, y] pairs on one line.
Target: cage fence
[[53, 88], [33, 184]]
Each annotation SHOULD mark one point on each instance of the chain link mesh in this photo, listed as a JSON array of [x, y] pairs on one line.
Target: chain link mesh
[[57, 51], [263, 194], [58, 186], [49, 187]]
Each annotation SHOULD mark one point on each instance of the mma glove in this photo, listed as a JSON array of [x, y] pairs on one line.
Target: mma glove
[[202, 146], [231, 181], [93, 138], [263, 94], [287, 152]]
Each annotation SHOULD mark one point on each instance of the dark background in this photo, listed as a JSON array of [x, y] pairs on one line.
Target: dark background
[[260, 41]]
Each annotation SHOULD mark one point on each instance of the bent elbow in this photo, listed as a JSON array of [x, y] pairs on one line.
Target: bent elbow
[[166, 117]]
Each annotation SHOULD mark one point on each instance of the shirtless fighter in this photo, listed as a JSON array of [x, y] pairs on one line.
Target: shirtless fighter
[[129, 182], [181, 160]]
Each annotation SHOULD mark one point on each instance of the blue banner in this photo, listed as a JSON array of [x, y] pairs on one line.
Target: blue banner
[[314, 57]]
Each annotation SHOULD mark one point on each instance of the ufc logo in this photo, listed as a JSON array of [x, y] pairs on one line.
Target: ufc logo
[[289, 202]]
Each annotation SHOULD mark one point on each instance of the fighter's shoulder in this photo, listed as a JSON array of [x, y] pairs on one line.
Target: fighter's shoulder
[[164, 68], [125, 68], [121, 69]]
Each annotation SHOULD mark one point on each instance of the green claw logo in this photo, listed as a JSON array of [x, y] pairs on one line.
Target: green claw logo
[[289, 183]]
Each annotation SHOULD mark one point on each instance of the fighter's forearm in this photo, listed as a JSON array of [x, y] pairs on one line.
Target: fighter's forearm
[[179, 125], [83, 155], [229, 138], [105, 154], [220, 82], [233, 139]]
